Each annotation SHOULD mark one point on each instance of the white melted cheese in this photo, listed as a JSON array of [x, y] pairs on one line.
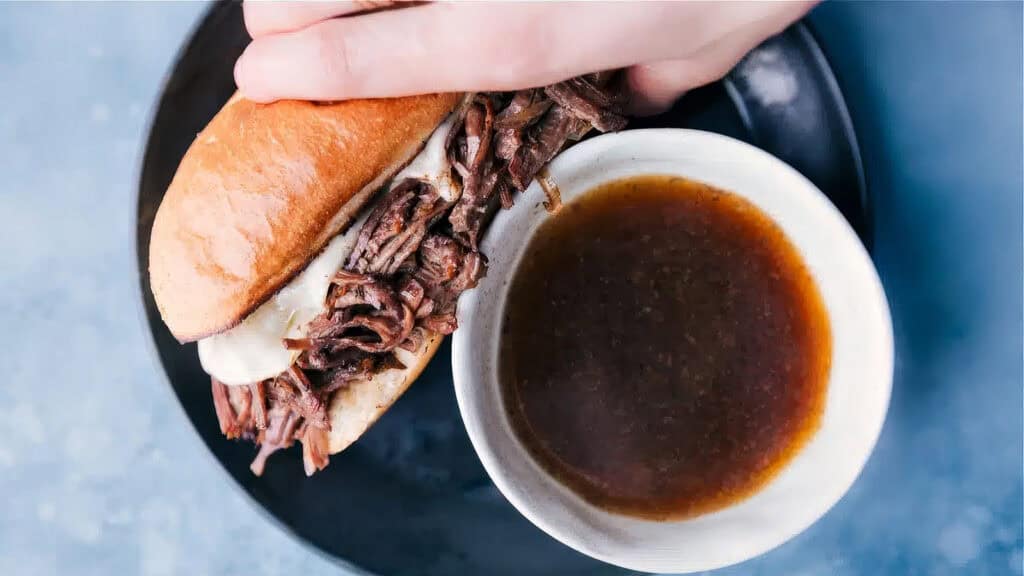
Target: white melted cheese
[[431, 164], [253, 350]]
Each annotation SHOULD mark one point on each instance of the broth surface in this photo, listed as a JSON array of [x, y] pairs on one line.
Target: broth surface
[[664, 350]]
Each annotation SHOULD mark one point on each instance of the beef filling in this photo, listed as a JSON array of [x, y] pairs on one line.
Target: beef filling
[[415, 254]]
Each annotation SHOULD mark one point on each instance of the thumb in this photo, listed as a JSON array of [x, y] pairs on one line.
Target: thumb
[[655, 87]]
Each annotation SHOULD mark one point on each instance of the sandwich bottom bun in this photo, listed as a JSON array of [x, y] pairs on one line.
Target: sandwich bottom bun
[[355, 408]]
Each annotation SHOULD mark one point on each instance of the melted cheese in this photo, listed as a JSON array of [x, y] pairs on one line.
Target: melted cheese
[[431, 164], [253, 350]]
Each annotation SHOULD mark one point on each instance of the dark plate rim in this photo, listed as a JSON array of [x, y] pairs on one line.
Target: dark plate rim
[[209, 19], [805, 29]]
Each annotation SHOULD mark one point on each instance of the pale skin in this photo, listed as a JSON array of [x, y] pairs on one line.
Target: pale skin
[[343, 50]]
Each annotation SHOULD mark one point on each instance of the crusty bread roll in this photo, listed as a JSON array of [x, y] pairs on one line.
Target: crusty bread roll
[[262, 189], [355, 408]]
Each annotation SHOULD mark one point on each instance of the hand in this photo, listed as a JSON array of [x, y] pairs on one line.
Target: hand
[[341, 50]]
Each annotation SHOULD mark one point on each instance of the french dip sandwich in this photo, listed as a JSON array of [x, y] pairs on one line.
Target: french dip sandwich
[[316, 251]]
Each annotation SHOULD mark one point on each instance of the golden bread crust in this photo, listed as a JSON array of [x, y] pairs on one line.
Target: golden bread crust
[[262, 189]]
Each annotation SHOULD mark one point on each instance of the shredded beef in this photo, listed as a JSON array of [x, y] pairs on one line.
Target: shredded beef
[[554, 196], [445, 323], [362, 313], [440, 260], [411, 292], [447, 269], [229, 424], [413, 342], [395, 228], [530, 128], [342, 374], [280, 433], [584, 100], [524, 108], [543, 141], [473, 162], [259, 405], [522, 111], [415, 254]]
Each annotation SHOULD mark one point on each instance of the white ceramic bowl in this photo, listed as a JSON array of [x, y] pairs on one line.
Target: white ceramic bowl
[[858, 388]]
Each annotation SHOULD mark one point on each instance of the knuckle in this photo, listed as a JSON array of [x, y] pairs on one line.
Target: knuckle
[[513, 63]]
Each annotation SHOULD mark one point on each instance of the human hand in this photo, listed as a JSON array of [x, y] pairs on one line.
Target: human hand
[[341, 50]]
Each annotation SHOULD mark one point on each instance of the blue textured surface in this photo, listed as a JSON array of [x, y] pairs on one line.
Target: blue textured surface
[[100, 473]]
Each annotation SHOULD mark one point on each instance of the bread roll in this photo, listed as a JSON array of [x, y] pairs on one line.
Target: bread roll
[[262, 189]]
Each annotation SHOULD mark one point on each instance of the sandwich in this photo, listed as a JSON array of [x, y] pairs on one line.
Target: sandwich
[[316, 251]]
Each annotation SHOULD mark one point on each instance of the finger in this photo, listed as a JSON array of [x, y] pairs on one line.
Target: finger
[[655, 87], [263, 18], [454, 47]]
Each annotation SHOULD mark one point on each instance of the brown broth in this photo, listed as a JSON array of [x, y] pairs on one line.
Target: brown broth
[[664, 351]]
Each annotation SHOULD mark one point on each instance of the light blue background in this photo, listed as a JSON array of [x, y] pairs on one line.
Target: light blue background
[[100, 473]]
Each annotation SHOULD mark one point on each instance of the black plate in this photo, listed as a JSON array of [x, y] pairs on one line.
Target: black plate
[[411, 497]]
